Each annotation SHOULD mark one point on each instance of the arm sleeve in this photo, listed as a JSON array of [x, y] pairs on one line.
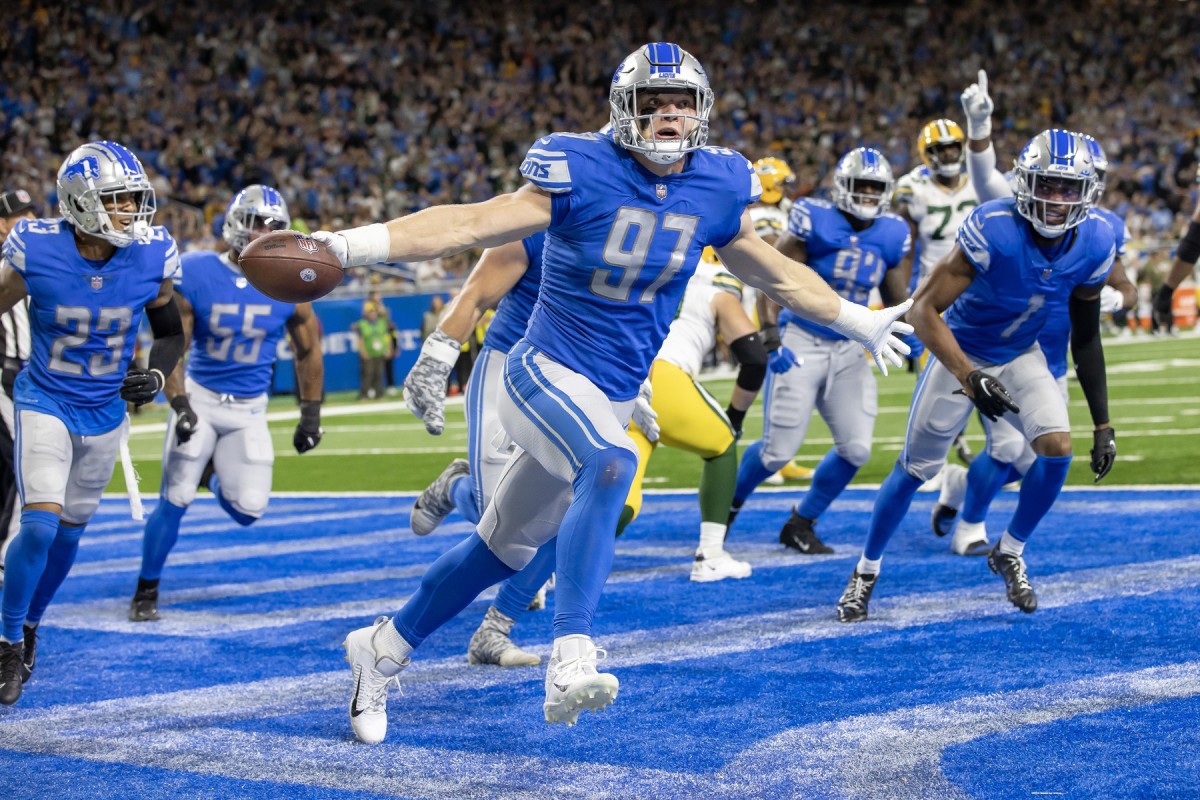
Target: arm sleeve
[[1088, 353], [988, 183], [167, 326]]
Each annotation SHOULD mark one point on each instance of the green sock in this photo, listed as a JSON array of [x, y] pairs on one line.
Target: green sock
[[717, 482]]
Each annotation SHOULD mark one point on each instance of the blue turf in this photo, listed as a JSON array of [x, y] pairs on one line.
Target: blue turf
[[732, 689]]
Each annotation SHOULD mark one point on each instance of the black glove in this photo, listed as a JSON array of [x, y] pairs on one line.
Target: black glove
[[185, 419], [989, 395], [308, 432], [1162, 301], [141, 385], [736, 418], [1104, 451], [770, 337]]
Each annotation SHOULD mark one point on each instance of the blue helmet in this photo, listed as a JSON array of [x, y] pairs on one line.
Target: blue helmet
[[251, 210], [1055, 181], [861, 169], [103, 190]]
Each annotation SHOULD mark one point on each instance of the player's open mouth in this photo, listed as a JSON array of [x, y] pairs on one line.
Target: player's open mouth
[[667, 133]]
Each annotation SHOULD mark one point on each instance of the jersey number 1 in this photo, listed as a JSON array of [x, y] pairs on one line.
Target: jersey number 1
[[631, 262]]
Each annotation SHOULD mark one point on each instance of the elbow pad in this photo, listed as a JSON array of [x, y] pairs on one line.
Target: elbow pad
[[752, 356]]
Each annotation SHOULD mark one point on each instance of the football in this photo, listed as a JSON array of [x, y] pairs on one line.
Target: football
[[291, 267]]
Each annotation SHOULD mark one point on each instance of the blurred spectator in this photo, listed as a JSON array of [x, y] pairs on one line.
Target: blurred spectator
[[389, 364], [374, 344]]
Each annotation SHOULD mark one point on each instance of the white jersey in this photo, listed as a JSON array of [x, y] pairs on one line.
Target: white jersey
[[770, 220], [693, 333], [937, 210]]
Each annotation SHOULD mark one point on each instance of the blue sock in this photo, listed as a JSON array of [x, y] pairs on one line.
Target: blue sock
[[751, 473], [985, 476], [58, 563], [449, 586], [585, 538], [518, 592], [162, 530], [237, 516], [891, 504], [23, 567], [462, 491], [831, 477], [1039, 490]]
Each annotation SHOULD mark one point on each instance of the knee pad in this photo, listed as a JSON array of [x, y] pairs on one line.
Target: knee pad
[[608, 468], [1010, 450], [251, 503], [856, 454]]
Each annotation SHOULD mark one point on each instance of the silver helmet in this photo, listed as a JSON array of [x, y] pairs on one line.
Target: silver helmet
[[1100, 162], [860, 170], [651, 69], [1053, 177], [94, 182], [252, 210]]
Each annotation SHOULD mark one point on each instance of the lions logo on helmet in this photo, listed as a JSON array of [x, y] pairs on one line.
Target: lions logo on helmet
[[102, 180], [1055, 180], [942, 146], [862, 183], [255, 209], [776, 178], [653, 68]]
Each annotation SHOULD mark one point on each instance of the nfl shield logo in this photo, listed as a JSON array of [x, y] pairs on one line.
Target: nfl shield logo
[[97, 282], [660, 190], [306, 244], [1046, 273]]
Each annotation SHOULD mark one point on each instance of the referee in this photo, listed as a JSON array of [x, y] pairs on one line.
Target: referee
[[14, 352]]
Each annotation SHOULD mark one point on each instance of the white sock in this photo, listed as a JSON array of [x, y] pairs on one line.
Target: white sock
[[712, 538], [867, 566], [1011, 545], [389, 644], [575, 645]]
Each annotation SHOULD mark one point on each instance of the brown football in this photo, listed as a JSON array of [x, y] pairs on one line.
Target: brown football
[[291, 267]]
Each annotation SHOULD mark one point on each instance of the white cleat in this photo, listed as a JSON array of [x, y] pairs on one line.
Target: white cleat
[[491, 643], [970, 539], [372, 676], [718, 567], [572, 682], [435, 503]]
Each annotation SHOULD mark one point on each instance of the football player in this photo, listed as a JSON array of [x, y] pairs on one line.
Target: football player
[[855, 244], [218, 411], [90, 275], [627, 214], [1017, 265]]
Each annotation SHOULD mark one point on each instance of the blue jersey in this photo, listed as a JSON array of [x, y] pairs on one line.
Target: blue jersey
[[83, 319], [620, 248], [512, 313], [1056, 336], [851, 262], [237, 327], [1017, 288]]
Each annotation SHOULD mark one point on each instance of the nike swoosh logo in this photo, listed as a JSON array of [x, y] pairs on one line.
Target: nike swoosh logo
[[354, 712], [561, 688]]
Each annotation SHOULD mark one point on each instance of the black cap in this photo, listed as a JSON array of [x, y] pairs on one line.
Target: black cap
[[15, 202]]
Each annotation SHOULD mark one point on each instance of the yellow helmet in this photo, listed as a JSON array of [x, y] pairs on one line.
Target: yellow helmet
[[933, 142], [775, 175]]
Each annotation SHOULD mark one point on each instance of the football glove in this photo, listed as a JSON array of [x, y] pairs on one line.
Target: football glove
[[878, 331], [185, 418], [141, 385], [425, 385], [1162, 301], [336, 244], [644, 414], [978, 107], [1104, 452], [308, 433], [989, 395], [782, 360]]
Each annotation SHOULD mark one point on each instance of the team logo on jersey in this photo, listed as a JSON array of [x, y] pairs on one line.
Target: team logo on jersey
[[660, 191], [306, 244], [1047, 272], [241, 283], [97, 282]]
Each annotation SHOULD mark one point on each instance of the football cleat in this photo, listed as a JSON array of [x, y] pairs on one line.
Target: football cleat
[[435, 503], [491, 644], [942, 519], [852, 607], [1016, 582], [144, 606], [572, 682], [970, 539], [29, 659], [717, 567], [373, 674], [798, 534], [794, 472], [539, 600], [11, 664]]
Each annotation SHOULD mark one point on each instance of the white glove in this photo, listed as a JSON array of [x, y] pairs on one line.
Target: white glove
[[878, 331], [336, 244], [425, 385], [978, 107], [1111, 300], [644, 414], [359, 247]]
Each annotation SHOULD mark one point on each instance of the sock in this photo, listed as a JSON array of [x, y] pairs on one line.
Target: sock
[[751, 473], [891, 504], [585, 537], [985, 476], [869, 566], [712, 538], [718, 481], [162, 531], [462, 492], [832, 476], [23, 567], [1039, 490], [389, 644], [214, 485], [518, 592], [58, 563], [1011, 545], [449, 586]]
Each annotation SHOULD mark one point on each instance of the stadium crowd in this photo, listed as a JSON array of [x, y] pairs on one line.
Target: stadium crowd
[[366, 110]]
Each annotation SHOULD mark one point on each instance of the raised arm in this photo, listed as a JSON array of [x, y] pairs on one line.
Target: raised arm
[[989, 184]]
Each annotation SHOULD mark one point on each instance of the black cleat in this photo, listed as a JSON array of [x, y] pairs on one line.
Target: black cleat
[[1012, 569], [798, 534], [10, 671], [853, 605], [942, 519], [144, 606], [963, 450], [29, 659]]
